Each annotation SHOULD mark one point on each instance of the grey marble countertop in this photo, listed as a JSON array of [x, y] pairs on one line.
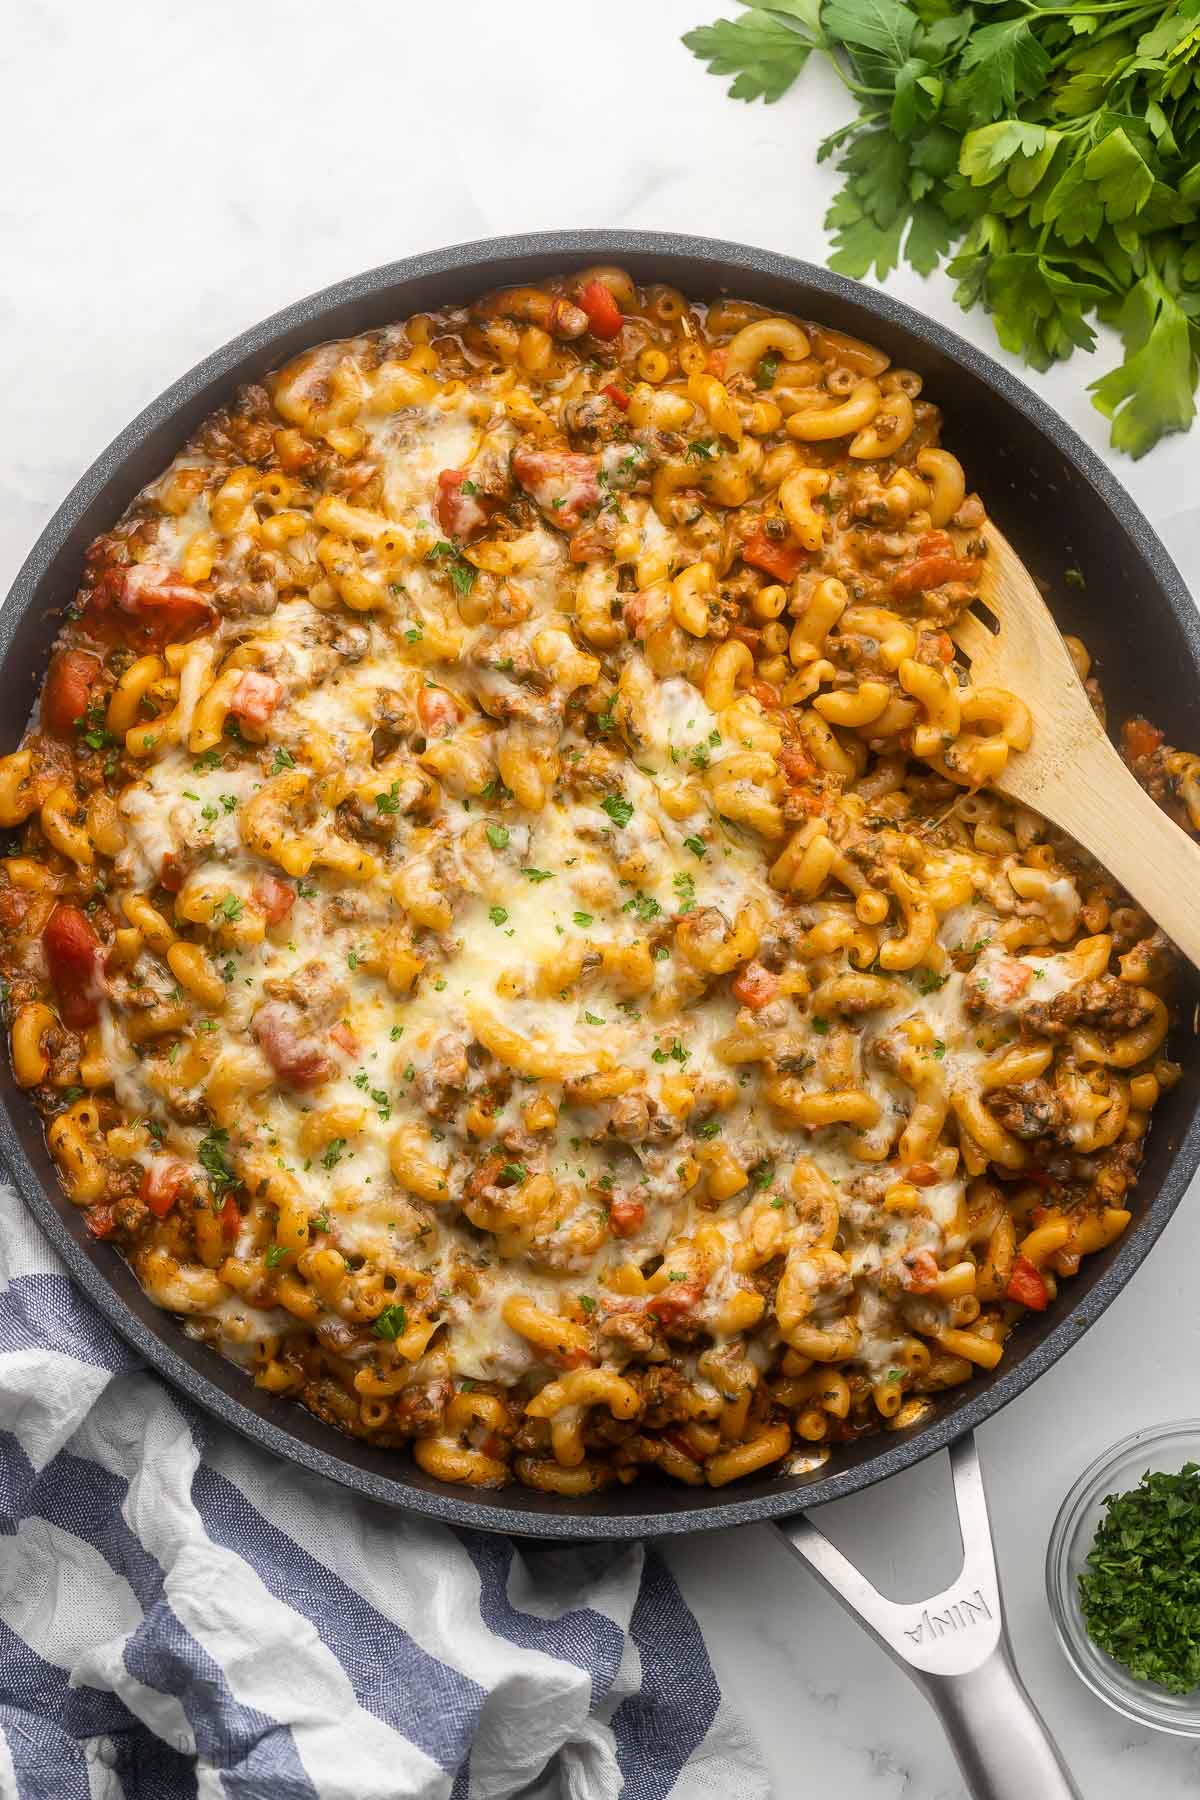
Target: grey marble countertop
[[175, 173]]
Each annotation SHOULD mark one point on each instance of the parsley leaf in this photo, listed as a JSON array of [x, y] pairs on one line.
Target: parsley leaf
[[213, 1155], [619, 811], [763, 51], [391, 1323]]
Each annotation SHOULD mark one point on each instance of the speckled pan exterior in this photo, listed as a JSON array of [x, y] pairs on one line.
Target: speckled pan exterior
[[1059, 506]]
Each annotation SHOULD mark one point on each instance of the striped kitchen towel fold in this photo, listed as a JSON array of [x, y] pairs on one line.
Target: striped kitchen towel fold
[[182, 1614]]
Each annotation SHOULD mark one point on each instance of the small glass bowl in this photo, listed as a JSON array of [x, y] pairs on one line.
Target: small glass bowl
[[1160, 1448]]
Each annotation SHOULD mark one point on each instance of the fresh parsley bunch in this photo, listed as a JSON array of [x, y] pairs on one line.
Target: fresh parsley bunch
[[1050, 152]]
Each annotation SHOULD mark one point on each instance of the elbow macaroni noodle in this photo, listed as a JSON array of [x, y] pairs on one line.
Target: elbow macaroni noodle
[[509, 928]]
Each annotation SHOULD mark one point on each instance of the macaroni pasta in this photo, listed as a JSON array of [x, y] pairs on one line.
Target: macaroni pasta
[[507, 923]]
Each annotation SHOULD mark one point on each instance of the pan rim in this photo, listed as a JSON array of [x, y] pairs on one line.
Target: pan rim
[[452, 1505]]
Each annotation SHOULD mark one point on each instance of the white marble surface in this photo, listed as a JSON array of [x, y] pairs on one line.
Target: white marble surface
[[173, 173]]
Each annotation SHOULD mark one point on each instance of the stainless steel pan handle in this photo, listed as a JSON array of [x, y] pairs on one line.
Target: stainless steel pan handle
[[955, 1647]]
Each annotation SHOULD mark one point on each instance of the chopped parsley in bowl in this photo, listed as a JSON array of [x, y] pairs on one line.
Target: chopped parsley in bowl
[[1123, 1577]]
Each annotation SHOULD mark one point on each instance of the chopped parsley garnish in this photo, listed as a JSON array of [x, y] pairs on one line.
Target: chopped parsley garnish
[[230, 907], [275, 1255], [512, 1174], [391, 1323], [709, 1129], [766, 371], [538, 874], [389, 802], [208, 759], [644, 905], [283, 759], [498, 915], [333, 1153], [696, 845], [1140, 1586], [820, 1026], [939, 1049], [462, 573], [582, 919], [702, 450], [587, 1303], [497, 837], [619, 810], [928, 982], [593, 1018]]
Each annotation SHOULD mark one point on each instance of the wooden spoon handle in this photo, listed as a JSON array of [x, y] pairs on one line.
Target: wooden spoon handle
[[1101, 804]]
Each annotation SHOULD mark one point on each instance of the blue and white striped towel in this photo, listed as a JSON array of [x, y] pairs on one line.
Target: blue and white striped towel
[[181, 1614]]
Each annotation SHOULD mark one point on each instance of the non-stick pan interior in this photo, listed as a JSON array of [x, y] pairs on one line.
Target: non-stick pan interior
[[1062, 511]]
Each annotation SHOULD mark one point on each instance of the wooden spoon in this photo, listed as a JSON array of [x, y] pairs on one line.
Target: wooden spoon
[[1071, 774]]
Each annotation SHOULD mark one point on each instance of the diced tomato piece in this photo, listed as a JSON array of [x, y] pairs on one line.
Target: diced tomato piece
[[170, 875], [1007, 980], [75, 958], [922, 1272], [69, 682], [755, 987], [603, 313], [1027, 1285], [565, 484], [255, 697], [936, 563], [750, 635], [290, 1046], [460, 514], [273, 898], [231, 1218], [796, 765], [679, 1298], [780, 557], [344, 1038], [633, 615], [147, 604], [101, 1220], [921, 1174], [437, 711], [626, 1215], [163, 1182], [765, 692], [1139, 737], [617, 395]]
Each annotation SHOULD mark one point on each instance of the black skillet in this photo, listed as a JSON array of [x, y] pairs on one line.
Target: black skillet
[[1060, 508]]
